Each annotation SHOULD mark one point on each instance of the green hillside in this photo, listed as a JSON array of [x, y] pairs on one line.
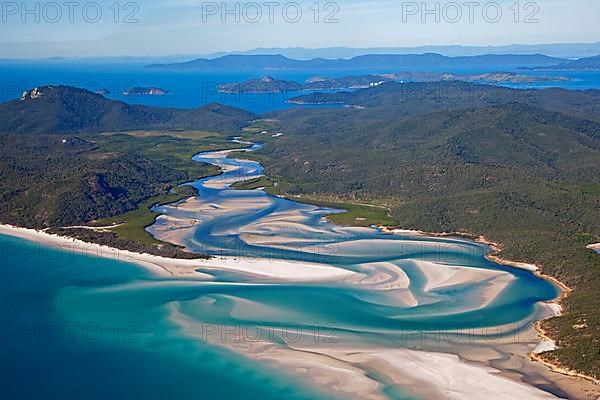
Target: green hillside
[[65, 109], [522, 176], [520, 167]]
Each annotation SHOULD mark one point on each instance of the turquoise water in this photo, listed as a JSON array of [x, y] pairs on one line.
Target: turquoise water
[[72, 326], [355, 313], [74, 323]]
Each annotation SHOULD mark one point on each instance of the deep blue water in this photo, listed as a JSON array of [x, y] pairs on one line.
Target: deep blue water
[[189, 89]]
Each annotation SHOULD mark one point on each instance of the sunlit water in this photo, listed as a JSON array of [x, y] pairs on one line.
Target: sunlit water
[[80, 325], [375, 310], [189, 89]]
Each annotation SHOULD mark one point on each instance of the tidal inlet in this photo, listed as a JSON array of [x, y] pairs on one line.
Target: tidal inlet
[[355, 200], [352, 312], [288, 305]]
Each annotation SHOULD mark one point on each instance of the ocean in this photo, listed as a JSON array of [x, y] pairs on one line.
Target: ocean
[[190, 89], [75, 325]]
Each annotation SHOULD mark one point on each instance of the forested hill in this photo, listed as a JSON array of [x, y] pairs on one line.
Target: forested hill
[[370, 158], [65, 109], [583, 64], [520, 167], [394, 99], [69, 157]]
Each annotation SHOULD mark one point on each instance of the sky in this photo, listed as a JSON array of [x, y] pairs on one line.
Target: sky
[[37, 29]]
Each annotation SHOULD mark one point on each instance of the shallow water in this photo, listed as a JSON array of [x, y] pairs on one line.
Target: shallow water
[[75, 324], [414, 292]]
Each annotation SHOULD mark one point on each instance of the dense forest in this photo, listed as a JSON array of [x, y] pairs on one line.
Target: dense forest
[[525, 173], [67, 158], [520, 167]]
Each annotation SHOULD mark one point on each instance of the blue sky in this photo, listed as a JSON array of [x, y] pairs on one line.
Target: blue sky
[[168, 27]]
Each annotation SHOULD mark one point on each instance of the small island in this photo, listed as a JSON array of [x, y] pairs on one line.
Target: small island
[[266, 84], [145, 91], [269, 84], [488, 77]]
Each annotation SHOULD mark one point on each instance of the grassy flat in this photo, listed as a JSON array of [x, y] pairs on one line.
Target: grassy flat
[[132, 225], [252, 184], [355, 215]]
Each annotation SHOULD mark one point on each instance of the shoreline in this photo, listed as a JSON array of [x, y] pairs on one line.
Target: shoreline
[[594, 247], [200, 269], [565, 292]]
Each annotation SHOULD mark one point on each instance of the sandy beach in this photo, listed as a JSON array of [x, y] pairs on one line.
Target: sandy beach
[[192, 269], [346, 369], [595, 247]]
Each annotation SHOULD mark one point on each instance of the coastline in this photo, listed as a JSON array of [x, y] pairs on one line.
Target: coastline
[[199, 269], [595, 247], [565, 292]]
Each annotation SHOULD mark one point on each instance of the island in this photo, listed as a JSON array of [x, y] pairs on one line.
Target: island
[[268, 84], [392, 62], [583, 64], [145, 91]]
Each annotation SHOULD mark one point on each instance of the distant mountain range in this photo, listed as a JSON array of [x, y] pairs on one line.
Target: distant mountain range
[[65, 109], [559, 50], [394, 62]]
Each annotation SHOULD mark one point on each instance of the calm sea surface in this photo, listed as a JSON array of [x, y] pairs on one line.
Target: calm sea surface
[[189, 89]]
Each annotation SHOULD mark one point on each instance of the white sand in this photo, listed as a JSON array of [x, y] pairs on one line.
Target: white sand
[[455, 379], [386, 277], [514, 264], [441, 276], [544, 346], [277, 270], [347, 369], [595, 247]]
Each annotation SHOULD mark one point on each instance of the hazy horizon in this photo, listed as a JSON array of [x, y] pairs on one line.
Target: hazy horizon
[[564, 50], [182, 27]]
